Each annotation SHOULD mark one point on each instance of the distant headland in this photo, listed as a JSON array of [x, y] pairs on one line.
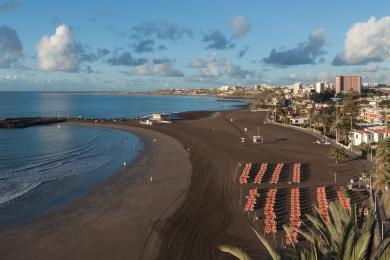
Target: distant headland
[[24, 122]]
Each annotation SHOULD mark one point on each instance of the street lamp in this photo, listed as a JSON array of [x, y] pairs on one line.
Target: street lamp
[[375, 202], [371, 152], [334, 174], [383, 227], [370, 183]]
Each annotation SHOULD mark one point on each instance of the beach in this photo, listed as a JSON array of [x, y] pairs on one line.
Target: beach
[[192, 204], [116, 218]]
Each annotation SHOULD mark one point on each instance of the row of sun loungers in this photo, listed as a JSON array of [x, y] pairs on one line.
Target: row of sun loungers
[[290, 207], [295, 214], [323, 203], [245, 173], [277, 171], [274, 173], [297, 173], [344, 201], [260, 174], [251, 200], [269, 213]]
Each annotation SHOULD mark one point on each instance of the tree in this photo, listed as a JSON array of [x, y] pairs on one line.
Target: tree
[[384, 116], [346, 236], [382, 184], [382, 156], [364, 149], [322, 97], [326, 120], [342, 127], [385, 103], [382, 173], [338, 154], [350, 106], [349, 113]]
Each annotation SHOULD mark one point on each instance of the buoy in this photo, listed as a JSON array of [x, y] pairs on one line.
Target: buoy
[[124, 163]]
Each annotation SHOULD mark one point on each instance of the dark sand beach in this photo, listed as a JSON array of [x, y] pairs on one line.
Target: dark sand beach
[[193, 203], [116, 218]]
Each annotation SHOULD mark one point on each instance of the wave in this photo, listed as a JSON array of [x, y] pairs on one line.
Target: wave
[[46, 157], [21, 172], [56, 159], [10, 196]]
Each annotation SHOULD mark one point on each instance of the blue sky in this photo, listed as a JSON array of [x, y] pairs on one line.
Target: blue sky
[[134, 45]]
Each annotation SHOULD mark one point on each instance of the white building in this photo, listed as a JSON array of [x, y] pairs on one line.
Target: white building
[[320, 86], [297, 88], [224, 88], [369, 136], [261, 86], [298, 120], [329, 86]]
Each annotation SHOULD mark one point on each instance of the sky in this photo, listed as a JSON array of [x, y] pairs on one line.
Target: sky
[[48, 45]]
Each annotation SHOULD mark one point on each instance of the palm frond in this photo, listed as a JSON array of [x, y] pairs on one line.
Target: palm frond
[[270, 249], [234, 251]]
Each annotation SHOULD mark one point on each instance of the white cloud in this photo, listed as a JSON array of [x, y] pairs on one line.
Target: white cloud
[[213, 66], [58, 52], [210, 66], [366, 42], [8, 77], [164, 69], [373, 73], [308, 77], [239, 26], [370, 68]]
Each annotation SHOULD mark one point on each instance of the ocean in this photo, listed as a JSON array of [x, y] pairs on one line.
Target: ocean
[[44, 168], [29, 104]]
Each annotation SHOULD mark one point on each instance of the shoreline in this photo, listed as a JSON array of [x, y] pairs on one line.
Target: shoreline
[[138, 219], [190, 226], [79, 160]]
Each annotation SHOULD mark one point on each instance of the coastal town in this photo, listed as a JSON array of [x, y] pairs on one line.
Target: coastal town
[[295, 155], [194, 130], [353, 112]]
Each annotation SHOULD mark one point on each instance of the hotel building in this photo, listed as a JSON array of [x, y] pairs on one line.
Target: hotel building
[[346, 84]]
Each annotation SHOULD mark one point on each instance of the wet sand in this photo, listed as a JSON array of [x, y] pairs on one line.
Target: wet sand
[[207, 213]]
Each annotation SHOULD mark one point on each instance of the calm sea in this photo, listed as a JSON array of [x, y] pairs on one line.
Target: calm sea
[[17, 104], [44, 168]]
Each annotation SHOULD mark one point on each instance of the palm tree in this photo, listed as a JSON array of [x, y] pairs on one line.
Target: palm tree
[[326, 120], [347, 236], [338, 154], [340, 128], [382, 173], [345, 127], [235, 251], [364, 149], [384, 116], [382, 183], [382, 156]]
